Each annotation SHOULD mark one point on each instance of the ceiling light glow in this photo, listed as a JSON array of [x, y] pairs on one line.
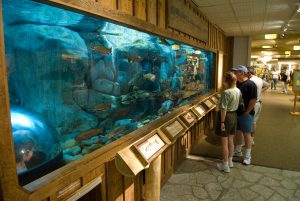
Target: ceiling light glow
[[270, 36], [296, 47], [266, 46]]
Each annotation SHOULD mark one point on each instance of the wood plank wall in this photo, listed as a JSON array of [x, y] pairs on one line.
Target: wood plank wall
[[155, 12]]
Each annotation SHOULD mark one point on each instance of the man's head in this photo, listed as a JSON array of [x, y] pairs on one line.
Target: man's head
[[251, 71], [240, 72]]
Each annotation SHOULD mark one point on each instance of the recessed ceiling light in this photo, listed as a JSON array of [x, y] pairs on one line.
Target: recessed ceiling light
[[296, 47], [287, 52], [254, 56], [266, 46], [270, 36]]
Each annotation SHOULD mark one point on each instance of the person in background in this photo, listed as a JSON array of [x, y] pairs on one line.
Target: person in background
[[227, 119], [275, 77], [285, 78], [245, 118], [262, 86]]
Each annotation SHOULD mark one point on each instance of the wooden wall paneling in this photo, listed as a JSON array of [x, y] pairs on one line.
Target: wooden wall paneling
[[139, 9], [111, 4], [161, 13], [138, 186], [152, 11], [125, 6], [115, 182], [163, 169], [129, 189]]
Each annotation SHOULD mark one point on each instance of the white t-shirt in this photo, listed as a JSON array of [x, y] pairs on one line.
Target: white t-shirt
[[275, 74], [259, 84]]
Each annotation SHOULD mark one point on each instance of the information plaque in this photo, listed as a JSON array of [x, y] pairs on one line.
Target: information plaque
[[173, 129], [215, 100], [199, 111], [188, 118], [150, 146], [208, 103]]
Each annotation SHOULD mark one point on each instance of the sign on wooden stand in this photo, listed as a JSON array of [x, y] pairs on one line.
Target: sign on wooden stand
[[189, 118], [173, 129]]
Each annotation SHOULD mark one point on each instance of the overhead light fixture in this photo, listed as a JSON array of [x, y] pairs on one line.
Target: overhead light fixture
[[254, 56], [287, 52], [296, 47], [285, 29], [266, 46], [298, 10], [270, 36]]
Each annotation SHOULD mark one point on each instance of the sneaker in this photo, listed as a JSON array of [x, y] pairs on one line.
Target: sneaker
[[230, 164], [237, 154], [247, 161], [222, 167]]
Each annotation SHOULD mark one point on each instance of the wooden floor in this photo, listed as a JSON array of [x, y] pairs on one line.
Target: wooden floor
[[277, 142]]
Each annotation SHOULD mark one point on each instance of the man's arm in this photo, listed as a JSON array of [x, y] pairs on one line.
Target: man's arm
[[265, 86], [250, 107]]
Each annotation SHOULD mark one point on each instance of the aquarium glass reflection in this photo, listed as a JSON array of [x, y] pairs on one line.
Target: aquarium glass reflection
[[89, 81]]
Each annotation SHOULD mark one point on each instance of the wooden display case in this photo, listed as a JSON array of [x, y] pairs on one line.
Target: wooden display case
[[95, 171], [189, 118]]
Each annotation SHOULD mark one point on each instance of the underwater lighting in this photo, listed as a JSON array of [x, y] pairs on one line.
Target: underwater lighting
[[266, 46], [197, 52], [175, 47], [296, 47], [270, 36]]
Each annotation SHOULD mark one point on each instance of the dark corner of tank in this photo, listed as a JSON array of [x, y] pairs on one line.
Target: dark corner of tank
[[78, 83]]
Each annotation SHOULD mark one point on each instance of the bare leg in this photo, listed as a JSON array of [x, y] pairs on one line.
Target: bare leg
[[253, 129], [248, 140], [224, 141], [230, 146], [238, 137]]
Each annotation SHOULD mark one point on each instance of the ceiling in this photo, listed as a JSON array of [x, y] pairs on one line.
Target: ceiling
[[252, 17]]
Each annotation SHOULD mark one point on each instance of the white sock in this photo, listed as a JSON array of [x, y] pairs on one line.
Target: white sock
[[225, 163], [248, 153], [238, 148], [230, 159]]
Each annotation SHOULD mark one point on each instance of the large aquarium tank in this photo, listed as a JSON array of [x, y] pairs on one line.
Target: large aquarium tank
[[78, 83]]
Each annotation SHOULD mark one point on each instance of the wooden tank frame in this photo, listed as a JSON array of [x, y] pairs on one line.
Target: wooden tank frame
[[96, 170]]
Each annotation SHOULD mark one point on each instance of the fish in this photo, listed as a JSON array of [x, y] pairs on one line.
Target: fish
[[88, 134], [102, 107], [150, 76], [101, 49], [116, 131], [70, 56], [163, 41], [133, 58]]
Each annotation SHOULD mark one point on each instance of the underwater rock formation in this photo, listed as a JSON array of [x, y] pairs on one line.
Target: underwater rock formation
[[21, 12]]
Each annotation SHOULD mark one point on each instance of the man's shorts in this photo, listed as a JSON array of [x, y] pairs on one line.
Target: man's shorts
[[257, 110], [244, 123]]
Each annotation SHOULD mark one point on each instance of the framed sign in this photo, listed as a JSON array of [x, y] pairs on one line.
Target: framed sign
[[208, 104], [188, 118], [215, 99], [296, 81], [173, 129], [199, 110], [150, 147]]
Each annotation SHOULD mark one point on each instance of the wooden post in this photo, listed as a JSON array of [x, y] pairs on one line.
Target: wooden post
[[295, 113], [152, 180]]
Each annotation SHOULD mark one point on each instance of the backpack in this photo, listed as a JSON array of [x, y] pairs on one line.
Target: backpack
[[283, 77]]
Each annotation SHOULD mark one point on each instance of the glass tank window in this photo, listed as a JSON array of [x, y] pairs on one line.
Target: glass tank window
[[77, 83]]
